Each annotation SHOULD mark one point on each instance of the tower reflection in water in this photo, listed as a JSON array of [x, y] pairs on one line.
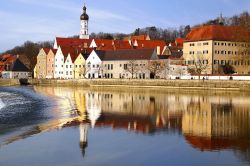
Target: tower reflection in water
[[207, 121]]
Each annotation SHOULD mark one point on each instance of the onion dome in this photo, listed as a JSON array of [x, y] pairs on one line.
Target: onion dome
[[84, 16]]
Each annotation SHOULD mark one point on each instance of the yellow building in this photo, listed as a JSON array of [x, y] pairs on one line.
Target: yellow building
[[215, 46], [79, 70]]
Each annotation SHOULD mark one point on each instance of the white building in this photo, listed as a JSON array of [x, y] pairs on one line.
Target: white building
[[93, 64], [59, 62]]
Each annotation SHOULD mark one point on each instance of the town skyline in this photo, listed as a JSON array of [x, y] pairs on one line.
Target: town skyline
[[39, 21]]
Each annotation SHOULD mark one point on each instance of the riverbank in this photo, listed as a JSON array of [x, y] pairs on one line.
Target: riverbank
[[175, 84]]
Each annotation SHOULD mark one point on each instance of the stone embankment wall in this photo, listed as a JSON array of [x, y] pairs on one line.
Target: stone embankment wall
[[9, 82], [180, 84]]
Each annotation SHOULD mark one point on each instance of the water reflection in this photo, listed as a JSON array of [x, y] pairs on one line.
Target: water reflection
[[207, 121]]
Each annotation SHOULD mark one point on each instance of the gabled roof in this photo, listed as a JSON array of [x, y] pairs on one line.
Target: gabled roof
[[46, 50], [54, 51], [17, 65], [136, 54], [219, 33]]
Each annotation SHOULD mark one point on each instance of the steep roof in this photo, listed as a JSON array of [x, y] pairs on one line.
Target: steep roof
[[220, 33], [54, 51], [46, 50], [17, 65], [137, 54]]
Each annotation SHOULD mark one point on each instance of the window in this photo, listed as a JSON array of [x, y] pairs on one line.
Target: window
[[205, 44], [125, 66], [111, 66]]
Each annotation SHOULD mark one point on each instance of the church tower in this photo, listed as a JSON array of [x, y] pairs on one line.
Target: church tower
[[84, 33]]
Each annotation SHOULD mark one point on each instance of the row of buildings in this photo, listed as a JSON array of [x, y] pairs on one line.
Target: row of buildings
[[101, 58], [132, 57], [207, 49]]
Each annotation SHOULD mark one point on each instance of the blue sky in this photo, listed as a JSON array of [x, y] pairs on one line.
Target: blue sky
[[39, 20]]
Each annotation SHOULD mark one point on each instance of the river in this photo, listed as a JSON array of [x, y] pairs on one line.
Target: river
[[62, 126]]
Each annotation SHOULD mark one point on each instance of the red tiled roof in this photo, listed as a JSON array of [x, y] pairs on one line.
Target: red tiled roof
[[104, 44], [72, 51], [220, 33], [73, 42], [179, 42], [54, 51], [10, 59], [140, 37], [120, 45], [46, 50], [147, 44], [6, 56]]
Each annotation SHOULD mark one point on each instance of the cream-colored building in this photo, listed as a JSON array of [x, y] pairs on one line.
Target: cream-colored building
[[41, 66], [214, 46]]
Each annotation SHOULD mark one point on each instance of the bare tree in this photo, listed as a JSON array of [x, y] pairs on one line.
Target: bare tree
[[156, 67], [101, 70], [200, 64], [132, 67], [83, 70]]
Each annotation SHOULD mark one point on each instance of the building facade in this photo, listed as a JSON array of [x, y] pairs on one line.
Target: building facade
[[214, 46], [41, 67], [50, 63]]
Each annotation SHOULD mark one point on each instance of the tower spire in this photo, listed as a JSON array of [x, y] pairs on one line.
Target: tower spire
[[84, 34], [221, 19]]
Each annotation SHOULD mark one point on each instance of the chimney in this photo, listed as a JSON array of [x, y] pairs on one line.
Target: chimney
[[158, 50]]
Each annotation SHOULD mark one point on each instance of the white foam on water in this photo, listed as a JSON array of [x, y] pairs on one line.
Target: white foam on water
[[2, 105]]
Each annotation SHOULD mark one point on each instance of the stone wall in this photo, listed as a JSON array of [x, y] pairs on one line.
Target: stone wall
[[9, 82], [179, 84], [187, 84]]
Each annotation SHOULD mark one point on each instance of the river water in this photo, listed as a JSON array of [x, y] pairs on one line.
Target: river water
[[62, 126]]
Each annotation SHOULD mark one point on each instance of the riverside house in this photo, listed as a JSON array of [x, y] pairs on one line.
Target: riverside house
[[215, 46], [50, 63], [41, 66]]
